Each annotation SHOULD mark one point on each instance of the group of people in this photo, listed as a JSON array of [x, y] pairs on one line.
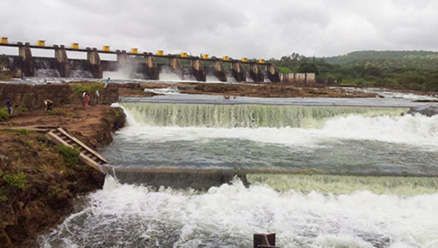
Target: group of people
[[49, 103], [86, 98], [86, 95]]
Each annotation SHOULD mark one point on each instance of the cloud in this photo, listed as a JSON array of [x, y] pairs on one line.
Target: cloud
[[254, 29]]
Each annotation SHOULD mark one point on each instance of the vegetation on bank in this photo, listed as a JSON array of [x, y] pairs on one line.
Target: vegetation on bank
[[38, 179], [4, 68], [79, 88], [70, 155], [4, 116], [37, 184], [412, 70]]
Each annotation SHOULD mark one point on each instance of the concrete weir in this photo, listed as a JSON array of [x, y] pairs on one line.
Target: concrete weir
[[199, 179]]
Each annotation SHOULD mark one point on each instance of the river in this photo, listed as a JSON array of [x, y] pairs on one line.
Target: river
[[322, 173]]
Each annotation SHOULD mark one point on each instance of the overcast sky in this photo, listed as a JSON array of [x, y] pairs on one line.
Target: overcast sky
[[246, 28]]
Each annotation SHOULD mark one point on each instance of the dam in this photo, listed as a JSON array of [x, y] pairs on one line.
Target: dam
[[136, 65]]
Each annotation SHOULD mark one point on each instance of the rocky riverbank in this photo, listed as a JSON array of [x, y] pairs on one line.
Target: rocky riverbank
[[257, 90], [38, 182]]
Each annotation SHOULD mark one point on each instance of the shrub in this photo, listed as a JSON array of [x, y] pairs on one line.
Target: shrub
[[387, 83], [23, 132], [17, 180], [284, 70], [21, 109], [431, 84], [70, 155], [78, 89], [3, 194], [42, 139], [4, 116]]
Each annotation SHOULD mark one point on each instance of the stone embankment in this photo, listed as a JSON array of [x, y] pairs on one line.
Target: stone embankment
[[31, 97], [38, 180]]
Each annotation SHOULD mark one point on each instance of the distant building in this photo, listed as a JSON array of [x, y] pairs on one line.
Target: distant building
[[298, 79]]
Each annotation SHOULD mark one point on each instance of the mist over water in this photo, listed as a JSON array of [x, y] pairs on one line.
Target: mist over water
[[327, 204]]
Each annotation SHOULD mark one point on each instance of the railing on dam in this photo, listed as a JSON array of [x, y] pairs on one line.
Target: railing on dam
[[146, 64]]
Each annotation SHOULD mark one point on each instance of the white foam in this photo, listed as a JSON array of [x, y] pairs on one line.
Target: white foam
[[212, 79], [130, 121], [231, 214], [415, 130], [407, 96], [122, 74], [166, 74], [165, 91], [285, 136]]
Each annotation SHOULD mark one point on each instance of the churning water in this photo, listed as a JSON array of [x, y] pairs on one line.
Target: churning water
[[345, 177]]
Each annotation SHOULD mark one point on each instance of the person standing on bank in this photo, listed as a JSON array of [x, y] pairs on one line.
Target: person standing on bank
[[9, 105], [106, 82], [86, 99], [96, 97]]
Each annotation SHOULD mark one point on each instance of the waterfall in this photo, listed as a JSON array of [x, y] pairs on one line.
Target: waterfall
[[167, 74], [337, 184], [244, 115], [45, 68]]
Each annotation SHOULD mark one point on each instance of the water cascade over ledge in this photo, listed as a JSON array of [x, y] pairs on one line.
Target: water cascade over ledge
[[244, 115]]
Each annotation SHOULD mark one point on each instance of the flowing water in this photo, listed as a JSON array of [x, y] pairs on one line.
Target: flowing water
[[320, 176]]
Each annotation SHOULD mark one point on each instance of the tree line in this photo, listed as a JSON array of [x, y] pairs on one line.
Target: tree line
[[413, 70]]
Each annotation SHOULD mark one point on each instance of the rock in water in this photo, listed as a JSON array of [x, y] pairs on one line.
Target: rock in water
[[428, 110]]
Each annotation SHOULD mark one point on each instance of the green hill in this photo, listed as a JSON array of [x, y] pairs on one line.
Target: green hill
[[413, 59]]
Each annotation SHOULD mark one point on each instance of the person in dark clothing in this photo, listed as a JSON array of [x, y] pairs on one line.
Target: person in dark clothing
[[9, 104]]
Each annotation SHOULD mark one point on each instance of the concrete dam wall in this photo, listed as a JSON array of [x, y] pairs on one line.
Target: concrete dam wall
[[135, 66]]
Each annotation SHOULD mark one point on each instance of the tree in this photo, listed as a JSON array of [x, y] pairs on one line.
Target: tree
[[308, 68]]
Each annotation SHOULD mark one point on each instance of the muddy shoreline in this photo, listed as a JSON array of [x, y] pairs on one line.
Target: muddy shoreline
[[37, 184]]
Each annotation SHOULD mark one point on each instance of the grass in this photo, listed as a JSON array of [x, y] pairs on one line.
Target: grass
[[17, 180], [70, 155], [21, 109], [4, 116], [23, 132], [42, 139]]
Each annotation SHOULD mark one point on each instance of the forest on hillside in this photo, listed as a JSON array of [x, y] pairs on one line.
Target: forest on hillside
[[413, 70]]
